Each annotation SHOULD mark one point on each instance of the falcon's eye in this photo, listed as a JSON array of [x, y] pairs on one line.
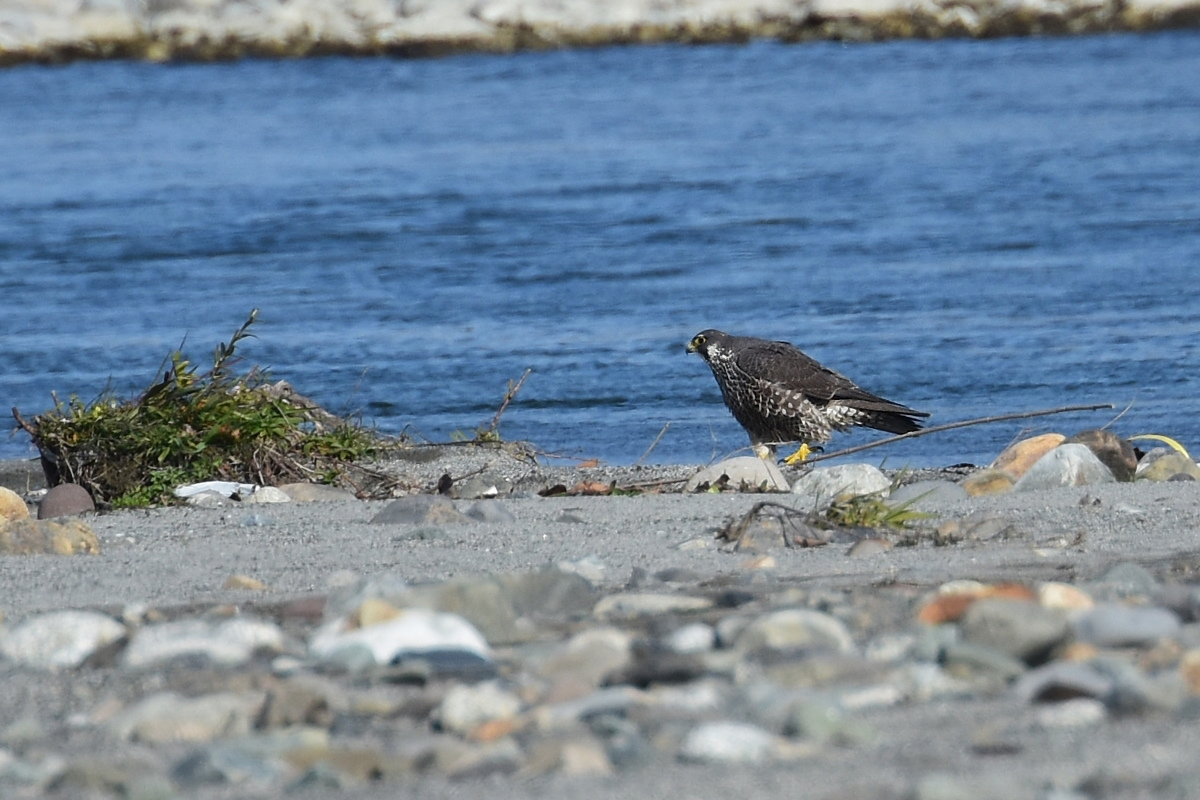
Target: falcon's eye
[[698, 341]]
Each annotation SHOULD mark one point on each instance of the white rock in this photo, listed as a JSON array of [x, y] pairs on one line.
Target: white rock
[[228, 643], [794, 629], [820, 487], [590, 568], [223, 488], [60, 639], [727, 743], [465, 706], [750, 471], [267, 494], [863, 9], [694, 638], [414, 632], [634, 604], [168, 717], [1076, 712], [1065, 465]]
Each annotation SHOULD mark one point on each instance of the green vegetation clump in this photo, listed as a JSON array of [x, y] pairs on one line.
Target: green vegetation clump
[[195, 426], [871, 511]]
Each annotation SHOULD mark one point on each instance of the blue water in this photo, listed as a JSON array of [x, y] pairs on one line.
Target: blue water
[[965, 227]]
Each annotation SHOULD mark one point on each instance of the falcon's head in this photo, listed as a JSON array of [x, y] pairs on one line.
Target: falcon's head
[[703, 341]]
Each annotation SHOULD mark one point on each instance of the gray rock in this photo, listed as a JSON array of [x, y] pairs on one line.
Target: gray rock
[[466, 707], [317, 493], [1134, 692], [65, 500], [229, 764], [549, 593], [350, 591], [1128, 579], [940, 786], [1020, 628], [588, 657], [1065, 465], [826, 723], [614, 700], [483, 601], [1063, 680], [460, 760], [59, 639], [92, 776], [923, 494], [169, 717], [866, 548], [968, 659], [727, 742], [299, 700], [764, 533], [483, 486], [932, 640], [490, 511], [229, 643], [741, 473], [573, 756], [322, 776], [1119, 625], [420, 509], [793, 629], [1164, 464], [818, 488]]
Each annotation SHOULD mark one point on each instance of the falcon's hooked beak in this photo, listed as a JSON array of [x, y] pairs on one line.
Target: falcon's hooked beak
[[698, 341]]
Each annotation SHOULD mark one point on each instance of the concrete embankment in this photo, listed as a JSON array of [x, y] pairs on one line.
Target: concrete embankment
[[162, 30]]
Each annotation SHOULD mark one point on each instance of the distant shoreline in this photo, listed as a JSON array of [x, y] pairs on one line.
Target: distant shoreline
[[231, 29]]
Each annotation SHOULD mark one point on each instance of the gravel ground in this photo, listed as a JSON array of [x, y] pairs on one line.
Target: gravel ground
[[983, 744]]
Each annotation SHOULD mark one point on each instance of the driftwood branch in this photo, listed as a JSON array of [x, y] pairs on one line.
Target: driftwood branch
[[952, 425], [23, 424], [513, 388]]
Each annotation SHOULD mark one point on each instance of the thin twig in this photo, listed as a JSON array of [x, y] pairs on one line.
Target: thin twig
[[653, 444], [953, 425], [508, 398], [653, 484], [1124, 411]]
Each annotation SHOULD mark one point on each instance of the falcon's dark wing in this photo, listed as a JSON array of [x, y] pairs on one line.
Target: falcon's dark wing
[[784, 367]]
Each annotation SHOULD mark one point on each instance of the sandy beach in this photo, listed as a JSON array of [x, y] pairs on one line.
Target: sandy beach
[[981, 742]]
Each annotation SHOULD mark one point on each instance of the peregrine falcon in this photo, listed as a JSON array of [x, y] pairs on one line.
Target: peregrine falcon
[[778, 394]]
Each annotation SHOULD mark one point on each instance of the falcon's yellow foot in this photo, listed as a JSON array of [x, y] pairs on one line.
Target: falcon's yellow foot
[[763, 452], [799, 456]]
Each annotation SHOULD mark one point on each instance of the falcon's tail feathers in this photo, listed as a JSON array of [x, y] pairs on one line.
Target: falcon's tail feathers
[[888, 417]]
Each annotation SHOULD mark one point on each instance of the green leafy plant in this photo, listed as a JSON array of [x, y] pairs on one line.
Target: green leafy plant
[[195, 425], [870, 511]]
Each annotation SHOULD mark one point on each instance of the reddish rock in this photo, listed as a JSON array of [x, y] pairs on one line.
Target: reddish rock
[[950, 606], [988, 481], [1019, 457]]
